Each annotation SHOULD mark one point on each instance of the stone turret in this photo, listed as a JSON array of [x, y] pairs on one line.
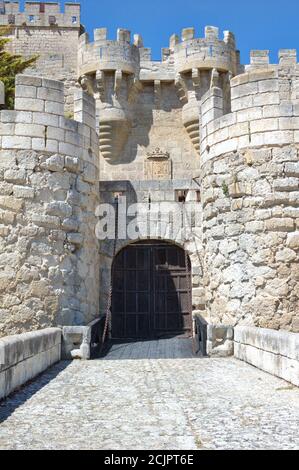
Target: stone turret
[[200, 64], [207, 53], [110, 70]]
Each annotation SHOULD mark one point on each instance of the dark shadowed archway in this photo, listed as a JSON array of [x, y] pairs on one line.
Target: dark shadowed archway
[[151, 291]]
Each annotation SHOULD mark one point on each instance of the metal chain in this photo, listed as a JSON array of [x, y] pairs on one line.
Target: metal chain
[[108, 319], [189, 286]]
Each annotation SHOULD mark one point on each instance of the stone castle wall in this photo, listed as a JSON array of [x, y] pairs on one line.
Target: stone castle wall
[[48, 194], [55, 45], [250, 182]]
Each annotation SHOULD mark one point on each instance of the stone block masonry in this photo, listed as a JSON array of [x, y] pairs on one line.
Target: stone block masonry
[[49, 191], [141, 102], [23, 357], [250, 201], [196, 127], [276, 352]]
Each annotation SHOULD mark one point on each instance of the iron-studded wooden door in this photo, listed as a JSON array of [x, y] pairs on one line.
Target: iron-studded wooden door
[[151, 291]]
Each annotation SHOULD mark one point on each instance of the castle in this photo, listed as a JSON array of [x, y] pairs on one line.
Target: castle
[[101, 123]]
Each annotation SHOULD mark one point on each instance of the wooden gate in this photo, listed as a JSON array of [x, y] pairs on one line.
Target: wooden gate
[[151, 286]]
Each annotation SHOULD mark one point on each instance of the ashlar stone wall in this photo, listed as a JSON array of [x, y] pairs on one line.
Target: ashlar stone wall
[[144, 104], [48, 194], [56, 45]]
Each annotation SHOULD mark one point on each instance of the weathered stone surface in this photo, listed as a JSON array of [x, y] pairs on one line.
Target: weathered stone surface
[[54, 163], [40, 269], [293, 240]]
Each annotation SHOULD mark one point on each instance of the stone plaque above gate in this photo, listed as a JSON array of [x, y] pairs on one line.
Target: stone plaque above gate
[[158, 165]]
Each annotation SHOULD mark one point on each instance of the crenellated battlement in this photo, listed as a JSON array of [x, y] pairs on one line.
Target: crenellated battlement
[[116, 70], [105, 54], [211, 34], [261, 59], [49, 174], [40, 14], [194, 126], [180, 57]]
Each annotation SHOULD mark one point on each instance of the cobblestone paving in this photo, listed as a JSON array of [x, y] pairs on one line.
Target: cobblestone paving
[[152, 404]]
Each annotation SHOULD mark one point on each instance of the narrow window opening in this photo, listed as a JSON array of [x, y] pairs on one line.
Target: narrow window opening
[[11, 19]]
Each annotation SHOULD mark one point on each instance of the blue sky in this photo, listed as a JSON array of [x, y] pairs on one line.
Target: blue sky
[[257, 24]]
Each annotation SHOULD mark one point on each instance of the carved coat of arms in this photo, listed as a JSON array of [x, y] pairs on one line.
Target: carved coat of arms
[[158, 165]]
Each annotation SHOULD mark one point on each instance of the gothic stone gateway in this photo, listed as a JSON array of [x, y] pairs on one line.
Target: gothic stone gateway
[[98, 118]]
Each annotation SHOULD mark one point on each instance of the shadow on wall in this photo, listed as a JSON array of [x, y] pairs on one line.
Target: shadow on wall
[[143, 120]]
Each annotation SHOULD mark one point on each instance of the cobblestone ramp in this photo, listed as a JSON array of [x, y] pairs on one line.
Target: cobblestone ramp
[[152, 404]]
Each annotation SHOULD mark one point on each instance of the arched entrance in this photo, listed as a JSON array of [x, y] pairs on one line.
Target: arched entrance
[[151, 291]]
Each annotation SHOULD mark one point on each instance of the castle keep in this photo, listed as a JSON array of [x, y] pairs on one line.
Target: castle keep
[[100, 122]]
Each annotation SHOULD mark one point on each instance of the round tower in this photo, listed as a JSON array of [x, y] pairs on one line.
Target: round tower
[[200, 64]]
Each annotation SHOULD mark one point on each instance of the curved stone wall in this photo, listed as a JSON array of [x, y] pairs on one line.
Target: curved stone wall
[[104, 54], [49, 190], [250, 187], [161, 194]]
